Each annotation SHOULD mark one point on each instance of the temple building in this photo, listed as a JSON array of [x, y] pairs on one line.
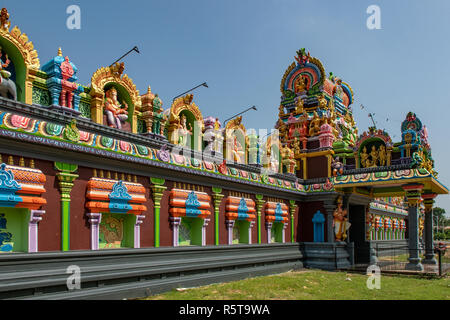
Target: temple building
[[101, 167]]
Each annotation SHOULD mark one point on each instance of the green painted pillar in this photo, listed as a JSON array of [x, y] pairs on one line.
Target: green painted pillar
[[158, 191], [218, 196], [66, 177], [292, 209], [259, 206]]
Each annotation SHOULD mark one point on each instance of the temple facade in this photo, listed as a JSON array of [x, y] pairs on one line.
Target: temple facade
[[101, 166]]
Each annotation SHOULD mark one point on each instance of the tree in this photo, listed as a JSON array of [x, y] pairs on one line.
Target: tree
[[440, 220]]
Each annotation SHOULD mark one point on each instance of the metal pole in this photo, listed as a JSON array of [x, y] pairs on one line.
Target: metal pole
[[204, 84], [134, 49], [251, 108]]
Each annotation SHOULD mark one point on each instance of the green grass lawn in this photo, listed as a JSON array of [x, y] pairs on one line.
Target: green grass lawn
[[317, 285]]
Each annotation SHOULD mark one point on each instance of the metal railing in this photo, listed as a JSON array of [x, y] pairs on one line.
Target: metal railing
[[392, 258]]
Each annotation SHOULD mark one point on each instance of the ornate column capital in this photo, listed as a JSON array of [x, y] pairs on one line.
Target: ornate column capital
[[66, 177], [428, 201], [413, 194], [36, 216], [158, 189]]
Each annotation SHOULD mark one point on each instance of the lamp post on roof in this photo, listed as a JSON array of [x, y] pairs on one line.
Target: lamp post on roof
[[251, 108], [135, 49], [204, 84]]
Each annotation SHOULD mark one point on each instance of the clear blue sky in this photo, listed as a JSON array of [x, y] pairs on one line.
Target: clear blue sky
[[243, 47]]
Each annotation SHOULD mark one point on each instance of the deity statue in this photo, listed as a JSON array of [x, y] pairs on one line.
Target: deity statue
[[281, 112], [338, 91], [299, 106], [322, 102], [7, 86], [297, 147], [337, 166], [183, 131], [300, 85], [374, 155], [116, 114], [218, 137], [382, 155], [340, 222], [365, 162], [237, 151], [274, 163], [289, 162], [314, 128], [4, 19], [158, 116]]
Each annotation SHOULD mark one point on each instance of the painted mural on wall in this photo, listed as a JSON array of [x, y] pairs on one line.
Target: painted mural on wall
[[111, 232]]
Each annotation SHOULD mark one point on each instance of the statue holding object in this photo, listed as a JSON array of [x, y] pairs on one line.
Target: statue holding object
[[183, 131], [7, 86], [116, 114], [340, 222]]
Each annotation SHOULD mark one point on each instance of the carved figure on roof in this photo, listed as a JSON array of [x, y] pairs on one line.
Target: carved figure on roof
[[338, 91], [287, 155], [374, 155], [118, 69], [237, 151], [274, 162], [7, 86], [314, 127], [337, 166], [4, 19], [299, 106], [157, 115], [115, 112], [281, 112], [323, 104], [300, 85], [382, 155], [183, 132], [365, 162]]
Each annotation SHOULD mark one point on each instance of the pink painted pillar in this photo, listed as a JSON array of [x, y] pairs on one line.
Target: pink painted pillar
[[175, 221], [250, 229], [269, 232], [35, 218], [230, 225], [137, 231], [205, 224], [95, 219]]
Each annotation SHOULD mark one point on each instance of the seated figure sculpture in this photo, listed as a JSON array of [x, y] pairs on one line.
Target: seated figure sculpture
[[7, 86], [115, 113]]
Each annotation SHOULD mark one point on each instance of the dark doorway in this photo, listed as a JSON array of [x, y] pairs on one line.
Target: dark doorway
[[357, 233]]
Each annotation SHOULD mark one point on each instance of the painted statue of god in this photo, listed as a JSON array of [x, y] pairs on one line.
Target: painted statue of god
[[115, 113], [183, 132]]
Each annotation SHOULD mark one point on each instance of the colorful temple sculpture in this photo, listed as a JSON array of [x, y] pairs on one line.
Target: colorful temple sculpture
[[102, 167]]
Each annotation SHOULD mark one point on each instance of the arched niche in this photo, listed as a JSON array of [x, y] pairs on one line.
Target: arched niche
[[24, 61], [122, 96], [373, 149], [106, 78], [185, 123], [236, 142]]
